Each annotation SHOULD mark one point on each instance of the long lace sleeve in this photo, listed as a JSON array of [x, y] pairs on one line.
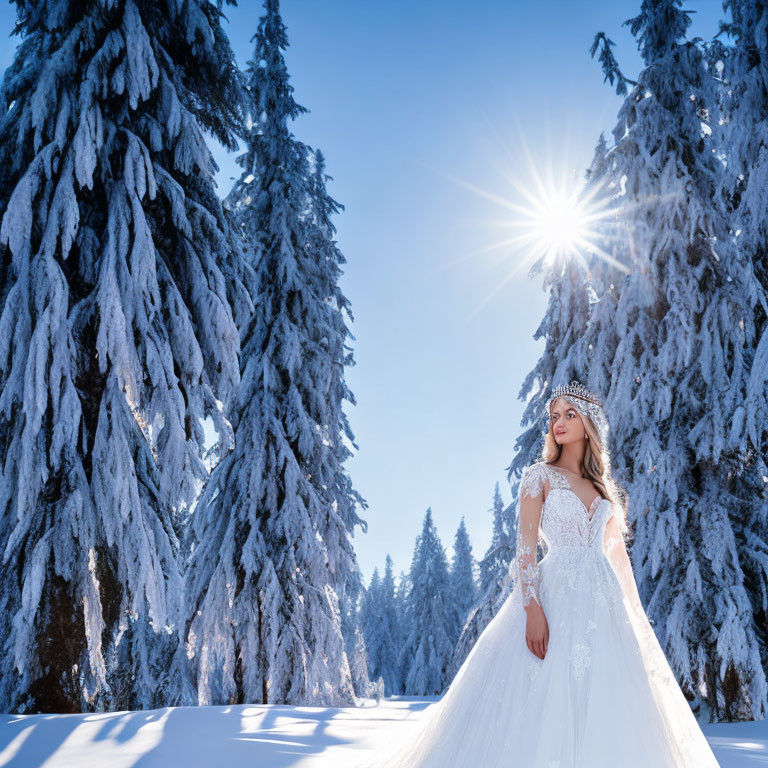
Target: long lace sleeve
[[526, 555]]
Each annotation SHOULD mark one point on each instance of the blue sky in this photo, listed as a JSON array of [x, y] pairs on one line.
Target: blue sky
[[405, 99]]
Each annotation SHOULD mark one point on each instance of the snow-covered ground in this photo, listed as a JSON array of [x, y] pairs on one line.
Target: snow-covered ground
[[271, 736]]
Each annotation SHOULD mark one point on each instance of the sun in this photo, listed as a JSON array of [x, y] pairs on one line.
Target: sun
[[553, 213], [559, 224], [563, 218], [557, 214]]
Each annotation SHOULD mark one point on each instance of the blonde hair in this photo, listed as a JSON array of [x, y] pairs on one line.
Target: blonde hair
[[596, 466]]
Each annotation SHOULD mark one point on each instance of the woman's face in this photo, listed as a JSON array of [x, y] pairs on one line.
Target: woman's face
[[566, 422]]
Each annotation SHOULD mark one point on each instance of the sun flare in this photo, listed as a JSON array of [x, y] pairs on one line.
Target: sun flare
[[559, 224], [562, 217], [552, 213]]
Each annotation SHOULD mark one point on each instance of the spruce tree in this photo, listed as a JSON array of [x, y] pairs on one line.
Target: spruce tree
[[744, 98], [371, 624], [607, 269], [117, 337], [680, 373], [401, 604], [495, 584], [329, 355], [462, 585], [392, 631], [495, 563], [381, 629], [351, 604], [428, 615], [274, 556]]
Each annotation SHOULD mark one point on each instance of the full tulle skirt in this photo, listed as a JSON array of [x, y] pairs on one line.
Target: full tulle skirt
[[604, 694]]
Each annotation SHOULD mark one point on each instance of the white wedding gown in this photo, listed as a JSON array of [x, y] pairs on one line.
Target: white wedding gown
[[604, 694]]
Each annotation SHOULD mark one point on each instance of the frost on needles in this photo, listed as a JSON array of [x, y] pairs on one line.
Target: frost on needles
[[274, 524], [116, 338]]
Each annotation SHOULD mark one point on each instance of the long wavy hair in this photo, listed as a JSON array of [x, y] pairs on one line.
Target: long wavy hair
[[596, 467]]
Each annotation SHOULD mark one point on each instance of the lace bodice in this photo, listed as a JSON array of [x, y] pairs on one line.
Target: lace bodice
[[561, 521]]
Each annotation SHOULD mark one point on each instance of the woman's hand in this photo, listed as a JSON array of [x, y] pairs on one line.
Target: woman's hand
[[536, 630]]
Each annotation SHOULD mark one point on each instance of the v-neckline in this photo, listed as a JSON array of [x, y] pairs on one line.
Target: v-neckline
[[586, 509]]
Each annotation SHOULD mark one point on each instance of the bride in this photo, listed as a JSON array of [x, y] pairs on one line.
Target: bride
[[569, 673]]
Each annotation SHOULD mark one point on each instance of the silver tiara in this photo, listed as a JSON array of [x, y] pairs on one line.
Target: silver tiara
[[585, 402]]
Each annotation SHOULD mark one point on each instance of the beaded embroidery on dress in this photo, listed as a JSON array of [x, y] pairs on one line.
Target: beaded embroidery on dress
[[604, 694]]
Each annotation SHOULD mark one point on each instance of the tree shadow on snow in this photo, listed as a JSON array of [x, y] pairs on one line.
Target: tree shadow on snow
[[272, 736], [276, 736], [738, 745], [33, 739]]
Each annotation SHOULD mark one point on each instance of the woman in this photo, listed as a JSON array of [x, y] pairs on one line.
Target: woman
[[569, 673]]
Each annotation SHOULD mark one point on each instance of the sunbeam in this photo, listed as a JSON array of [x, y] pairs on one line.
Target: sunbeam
[[550, 214]]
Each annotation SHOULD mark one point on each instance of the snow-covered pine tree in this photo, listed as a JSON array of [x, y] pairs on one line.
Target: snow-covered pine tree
[[462, 585], [116, 337], [495, 563], [428, 615], [607, 269], [401, 605], [371, 623], [350, 604], [274, 521], [374, 626], [741, 132], [328, 356], [681, 371], [495, 584], [364, 687], [392, 631], [358, 617]]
